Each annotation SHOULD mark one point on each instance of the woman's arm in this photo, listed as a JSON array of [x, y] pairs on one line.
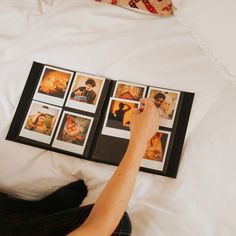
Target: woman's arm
[[113, 201]]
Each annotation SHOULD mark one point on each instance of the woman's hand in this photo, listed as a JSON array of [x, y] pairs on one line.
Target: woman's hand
[[144, 122], [113, 201]]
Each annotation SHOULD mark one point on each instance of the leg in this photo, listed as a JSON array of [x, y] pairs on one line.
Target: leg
[[65, 197], [60, 223]]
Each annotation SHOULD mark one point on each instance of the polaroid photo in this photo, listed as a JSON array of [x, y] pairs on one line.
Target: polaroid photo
[[73, 132], [129, 91], [118, 117], [85, 92], [155, 154], [40, 122], [53, 85], [166, 102]]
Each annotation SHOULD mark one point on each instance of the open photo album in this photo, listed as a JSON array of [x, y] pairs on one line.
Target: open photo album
[[88, 116]]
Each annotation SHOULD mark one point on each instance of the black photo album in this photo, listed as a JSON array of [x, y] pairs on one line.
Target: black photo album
[[88, 116]]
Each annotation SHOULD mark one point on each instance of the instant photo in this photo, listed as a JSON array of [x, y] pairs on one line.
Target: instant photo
[[129, 91], [155, 154], [166, 102], [85, 92], [40, 122], [118, 117], [53, 85], [73, 132]]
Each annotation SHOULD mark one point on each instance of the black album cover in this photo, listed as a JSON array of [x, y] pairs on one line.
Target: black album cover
[[88, 116]]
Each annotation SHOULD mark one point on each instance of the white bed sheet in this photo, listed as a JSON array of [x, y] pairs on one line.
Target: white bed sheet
[[110, 41]]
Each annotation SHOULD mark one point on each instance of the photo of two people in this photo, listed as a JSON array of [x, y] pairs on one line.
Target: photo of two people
[[165, 101]]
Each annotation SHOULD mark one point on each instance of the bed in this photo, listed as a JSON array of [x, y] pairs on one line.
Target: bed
[[121, 44]]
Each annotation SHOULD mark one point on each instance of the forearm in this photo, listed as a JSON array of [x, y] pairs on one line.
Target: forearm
[[113, 201]]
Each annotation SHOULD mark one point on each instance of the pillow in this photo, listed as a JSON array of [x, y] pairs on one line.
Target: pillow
[[212, 23], [159, 7]]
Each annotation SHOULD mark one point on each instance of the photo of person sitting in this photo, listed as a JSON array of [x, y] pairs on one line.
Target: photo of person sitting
[[154, 149], [54, 83], [41, 123], [85, 93], [74, 130]]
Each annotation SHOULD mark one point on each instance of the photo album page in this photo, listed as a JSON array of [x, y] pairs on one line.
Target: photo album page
[[88, 116], [164, 148]]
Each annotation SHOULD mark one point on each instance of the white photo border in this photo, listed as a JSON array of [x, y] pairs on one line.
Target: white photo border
[[166, 122], [119, 133], [80, 105], [157, 165], [48, 98], [74, 148], [43, 138]]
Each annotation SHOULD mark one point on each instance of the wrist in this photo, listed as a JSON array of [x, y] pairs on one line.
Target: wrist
[[138, 145]]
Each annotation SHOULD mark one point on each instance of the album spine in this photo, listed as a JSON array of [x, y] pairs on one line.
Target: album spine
[[101, 118]]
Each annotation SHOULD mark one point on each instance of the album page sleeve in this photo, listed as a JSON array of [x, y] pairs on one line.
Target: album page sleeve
[[32, 99], [110, 149]]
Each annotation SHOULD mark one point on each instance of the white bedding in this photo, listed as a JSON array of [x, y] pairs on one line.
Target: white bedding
[[110, 41]]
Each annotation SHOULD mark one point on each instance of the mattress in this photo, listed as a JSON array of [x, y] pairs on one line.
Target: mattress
[[117, 43]]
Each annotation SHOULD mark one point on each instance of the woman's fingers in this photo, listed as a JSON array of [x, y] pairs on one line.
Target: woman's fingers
[[135, 113], [147, 103]]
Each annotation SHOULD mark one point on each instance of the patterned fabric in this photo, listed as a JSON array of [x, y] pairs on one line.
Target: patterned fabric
[[159, 7], [59, 223]]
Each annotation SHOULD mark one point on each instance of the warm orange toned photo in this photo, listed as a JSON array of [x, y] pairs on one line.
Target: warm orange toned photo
[[165, 101], [155, 147], [128, 91], [120, 114], [86, 89], [41, 119], [74, 129], [54, 82]]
